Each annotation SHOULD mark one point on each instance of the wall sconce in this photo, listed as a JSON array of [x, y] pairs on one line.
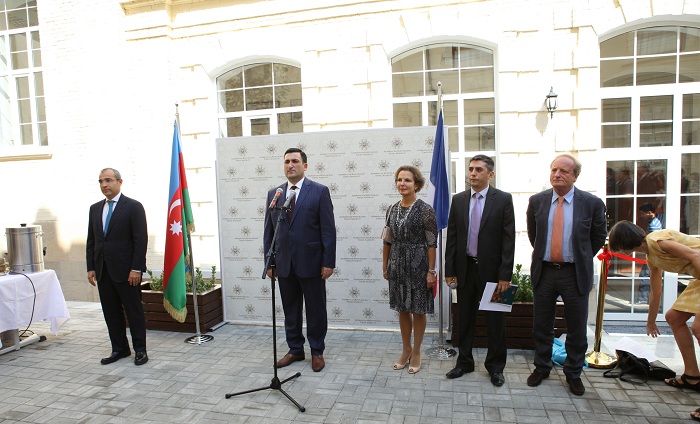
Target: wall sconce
[[552, 102]]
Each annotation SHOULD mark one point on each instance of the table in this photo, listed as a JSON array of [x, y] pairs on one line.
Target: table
[[17, 298]]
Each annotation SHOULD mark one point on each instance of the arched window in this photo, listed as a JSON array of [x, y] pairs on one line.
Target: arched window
[[260, 99], [650, 130], [467, 76], [22, 107]]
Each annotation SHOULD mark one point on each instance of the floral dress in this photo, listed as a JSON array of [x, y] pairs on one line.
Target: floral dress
[[414, 230], [689, 300]]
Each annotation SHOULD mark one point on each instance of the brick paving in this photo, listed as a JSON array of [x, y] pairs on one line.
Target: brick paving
[[61, 380]]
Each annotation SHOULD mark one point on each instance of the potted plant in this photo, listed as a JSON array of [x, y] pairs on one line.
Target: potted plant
[[209, 304], [519, 320]]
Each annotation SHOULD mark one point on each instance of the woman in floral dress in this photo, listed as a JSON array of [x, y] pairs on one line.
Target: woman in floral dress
[[409, 263]]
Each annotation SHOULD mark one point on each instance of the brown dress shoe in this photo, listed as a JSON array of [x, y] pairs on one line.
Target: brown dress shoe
[[317, 363], [288, 359]]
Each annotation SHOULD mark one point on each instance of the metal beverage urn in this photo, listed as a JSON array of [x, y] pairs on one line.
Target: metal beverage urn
[[25, 246]]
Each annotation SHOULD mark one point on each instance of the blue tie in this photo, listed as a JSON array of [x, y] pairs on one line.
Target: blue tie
[[109, 214]]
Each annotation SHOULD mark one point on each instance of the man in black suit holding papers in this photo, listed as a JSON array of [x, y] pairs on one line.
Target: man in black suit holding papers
[[479, 249]]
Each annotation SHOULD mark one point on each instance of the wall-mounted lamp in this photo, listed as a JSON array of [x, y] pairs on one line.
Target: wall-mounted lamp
[[551, 102]]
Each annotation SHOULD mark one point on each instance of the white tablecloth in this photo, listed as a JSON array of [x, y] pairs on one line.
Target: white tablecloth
[[17, 297]]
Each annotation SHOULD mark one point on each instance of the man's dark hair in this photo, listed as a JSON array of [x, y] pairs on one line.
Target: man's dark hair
[[296, 150], [647, 207], [117, 175], [626, 236], [487, 160]]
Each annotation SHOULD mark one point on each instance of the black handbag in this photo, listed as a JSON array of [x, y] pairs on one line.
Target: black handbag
[[629, 364]]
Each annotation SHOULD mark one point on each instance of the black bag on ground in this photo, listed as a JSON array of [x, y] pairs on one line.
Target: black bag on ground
[[628, 365]]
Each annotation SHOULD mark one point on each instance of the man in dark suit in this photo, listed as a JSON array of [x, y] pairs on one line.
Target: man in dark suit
[[479, 249], [116, 258], [566, 227], [305, 258]]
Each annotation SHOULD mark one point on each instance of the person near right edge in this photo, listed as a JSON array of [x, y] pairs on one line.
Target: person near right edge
[[671, 251], [566, 227]]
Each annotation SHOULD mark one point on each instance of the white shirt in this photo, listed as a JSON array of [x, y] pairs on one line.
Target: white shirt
[[105, 208]]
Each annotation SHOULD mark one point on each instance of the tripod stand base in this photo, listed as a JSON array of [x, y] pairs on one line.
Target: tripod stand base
[[199, 339], [275, 384], [440, 352], [600, 360]]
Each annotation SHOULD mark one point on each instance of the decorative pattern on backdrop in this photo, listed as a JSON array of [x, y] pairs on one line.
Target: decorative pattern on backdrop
[[358, 167]]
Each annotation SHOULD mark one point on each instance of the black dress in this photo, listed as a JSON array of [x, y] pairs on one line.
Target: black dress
[[414, 230]]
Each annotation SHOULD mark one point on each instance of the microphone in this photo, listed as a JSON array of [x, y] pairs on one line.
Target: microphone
[[291, 197], [453, 285], [273, 203]]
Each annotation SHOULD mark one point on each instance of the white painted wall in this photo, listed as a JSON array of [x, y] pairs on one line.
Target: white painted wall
[[113, 72]]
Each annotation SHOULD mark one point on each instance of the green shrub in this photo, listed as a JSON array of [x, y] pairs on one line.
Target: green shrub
[[202, 284], [524, 283]]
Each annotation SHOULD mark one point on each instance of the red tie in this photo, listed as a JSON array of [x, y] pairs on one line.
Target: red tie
[[558, 232]]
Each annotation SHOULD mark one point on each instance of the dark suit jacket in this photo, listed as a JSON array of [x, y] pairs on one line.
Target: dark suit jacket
[[496, 237], [124, 246], [588, 234], [307, 242]]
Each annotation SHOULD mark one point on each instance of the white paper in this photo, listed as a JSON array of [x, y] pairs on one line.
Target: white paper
[[629, 345], [487, 305]]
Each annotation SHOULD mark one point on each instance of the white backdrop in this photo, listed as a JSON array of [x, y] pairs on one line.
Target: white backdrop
[[358, 167]]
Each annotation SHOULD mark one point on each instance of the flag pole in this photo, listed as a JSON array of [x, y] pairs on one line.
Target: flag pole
[[439, 352], [198, 338]]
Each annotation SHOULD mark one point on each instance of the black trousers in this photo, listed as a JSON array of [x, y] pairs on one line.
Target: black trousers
[[553, 283], [117, 298], [309, 294], [469, 294]]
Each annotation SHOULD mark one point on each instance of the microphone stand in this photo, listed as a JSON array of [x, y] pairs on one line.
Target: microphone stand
[[275, 384]]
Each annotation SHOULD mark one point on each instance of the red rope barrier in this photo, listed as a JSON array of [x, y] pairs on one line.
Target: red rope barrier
[[607, 256]]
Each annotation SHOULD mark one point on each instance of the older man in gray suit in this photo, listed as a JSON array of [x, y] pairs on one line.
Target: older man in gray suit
[[566, 227]]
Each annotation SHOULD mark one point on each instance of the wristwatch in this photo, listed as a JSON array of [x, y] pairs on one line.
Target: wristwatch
[[432, 271]]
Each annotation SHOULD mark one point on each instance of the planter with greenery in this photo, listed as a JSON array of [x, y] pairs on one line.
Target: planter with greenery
[[209, 304], [519, 321]]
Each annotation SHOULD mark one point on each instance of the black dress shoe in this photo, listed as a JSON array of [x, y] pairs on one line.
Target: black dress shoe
[[497, 379], [114, 357], [455, 372], [576, 386], [141, 358], [536, 378]]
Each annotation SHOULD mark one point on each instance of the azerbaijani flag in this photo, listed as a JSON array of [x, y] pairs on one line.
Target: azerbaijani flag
[[439, 191], [177, 244]]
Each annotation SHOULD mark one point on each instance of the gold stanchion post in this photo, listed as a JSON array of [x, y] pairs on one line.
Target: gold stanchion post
[[596, 358]]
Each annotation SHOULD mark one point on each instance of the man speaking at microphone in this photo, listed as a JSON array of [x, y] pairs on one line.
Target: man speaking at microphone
[[304, 256]]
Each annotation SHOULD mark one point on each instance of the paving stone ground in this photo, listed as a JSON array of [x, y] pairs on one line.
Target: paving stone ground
[[61, 380]]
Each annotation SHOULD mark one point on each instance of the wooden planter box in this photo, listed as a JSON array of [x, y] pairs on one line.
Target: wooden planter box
[[518, 326], [209, 303]]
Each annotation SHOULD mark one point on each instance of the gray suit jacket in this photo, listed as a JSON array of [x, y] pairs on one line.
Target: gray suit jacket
[[588, 234]]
